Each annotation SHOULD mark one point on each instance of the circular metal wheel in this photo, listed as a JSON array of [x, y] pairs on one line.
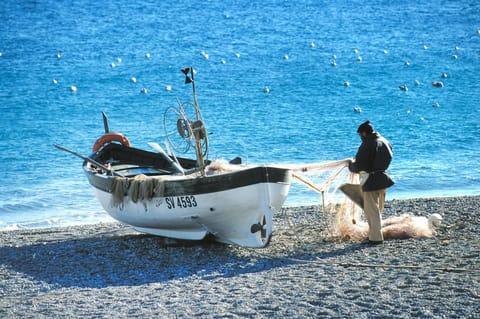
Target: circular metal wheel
[[171, 117], [183, 125]]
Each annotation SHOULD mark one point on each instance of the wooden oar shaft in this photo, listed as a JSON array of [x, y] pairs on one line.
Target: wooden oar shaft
[[88, 159], [174, 165]]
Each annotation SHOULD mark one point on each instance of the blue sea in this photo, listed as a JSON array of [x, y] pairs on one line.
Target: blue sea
[[277, 82]]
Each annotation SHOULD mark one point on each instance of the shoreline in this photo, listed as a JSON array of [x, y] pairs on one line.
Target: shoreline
[[109, 270], [409, 196], [108, 219]]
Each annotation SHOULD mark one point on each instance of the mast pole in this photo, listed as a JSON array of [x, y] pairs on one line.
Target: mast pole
[[197, 130]]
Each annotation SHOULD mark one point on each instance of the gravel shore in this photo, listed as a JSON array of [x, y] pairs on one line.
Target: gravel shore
[[111, 271]]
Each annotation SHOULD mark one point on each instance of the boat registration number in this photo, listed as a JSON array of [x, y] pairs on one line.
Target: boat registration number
[[181, 202]]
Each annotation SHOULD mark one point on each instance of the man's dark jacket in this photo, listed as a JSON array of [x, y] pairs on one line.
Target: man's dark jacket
[[373, 156]]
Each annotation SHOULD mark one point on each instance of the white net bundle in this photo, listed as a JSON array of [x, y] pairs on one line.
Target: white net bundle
[[343, 218]]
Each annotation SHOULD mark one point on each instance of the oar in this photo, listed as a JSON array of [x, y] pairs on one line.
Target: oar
[[176, 167], [88, 159], [170, 152]]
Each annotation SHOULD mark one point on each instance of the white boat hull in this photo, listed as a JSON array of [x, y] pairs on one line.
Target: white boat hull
[[228, 215], [234, 203]]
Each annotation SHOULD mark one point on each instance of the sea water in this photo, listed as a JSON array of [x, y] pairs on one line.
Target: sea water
[[277, 82]]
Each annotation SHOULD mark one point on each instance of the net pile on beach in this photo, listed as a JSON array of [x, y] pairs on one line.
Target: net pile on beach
[[344, 219]]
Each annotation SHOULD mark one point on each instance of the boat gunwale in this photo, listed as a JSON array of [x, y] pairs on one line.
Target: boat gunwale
[[180, 185]]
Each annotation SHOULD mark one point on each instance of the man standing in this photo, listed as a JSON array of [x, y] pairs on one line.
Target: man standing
[[371, 162]]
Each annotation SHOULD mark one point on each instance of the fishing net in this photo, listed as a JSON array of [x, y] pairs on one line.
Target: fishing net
[[141, 188], [343, 219], [138, 188], [323, 178], [338, 212]]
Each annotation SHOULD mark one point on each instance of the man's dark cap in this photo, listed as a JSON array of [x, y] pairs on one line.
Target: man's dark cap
[[366, 127]]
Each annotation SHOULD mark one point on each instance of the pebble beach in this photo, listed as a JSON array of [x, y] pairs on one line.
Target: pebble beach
[[109, 270]]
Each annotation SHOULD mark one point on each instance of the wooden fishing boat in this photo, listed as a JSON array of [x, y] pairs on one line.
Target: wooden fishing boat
[[236, 206], [162, 194]]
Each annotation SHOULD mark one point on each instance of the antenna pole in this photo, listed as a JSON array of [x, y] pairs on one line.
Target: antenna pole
[[195, 102], [197, 130]]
